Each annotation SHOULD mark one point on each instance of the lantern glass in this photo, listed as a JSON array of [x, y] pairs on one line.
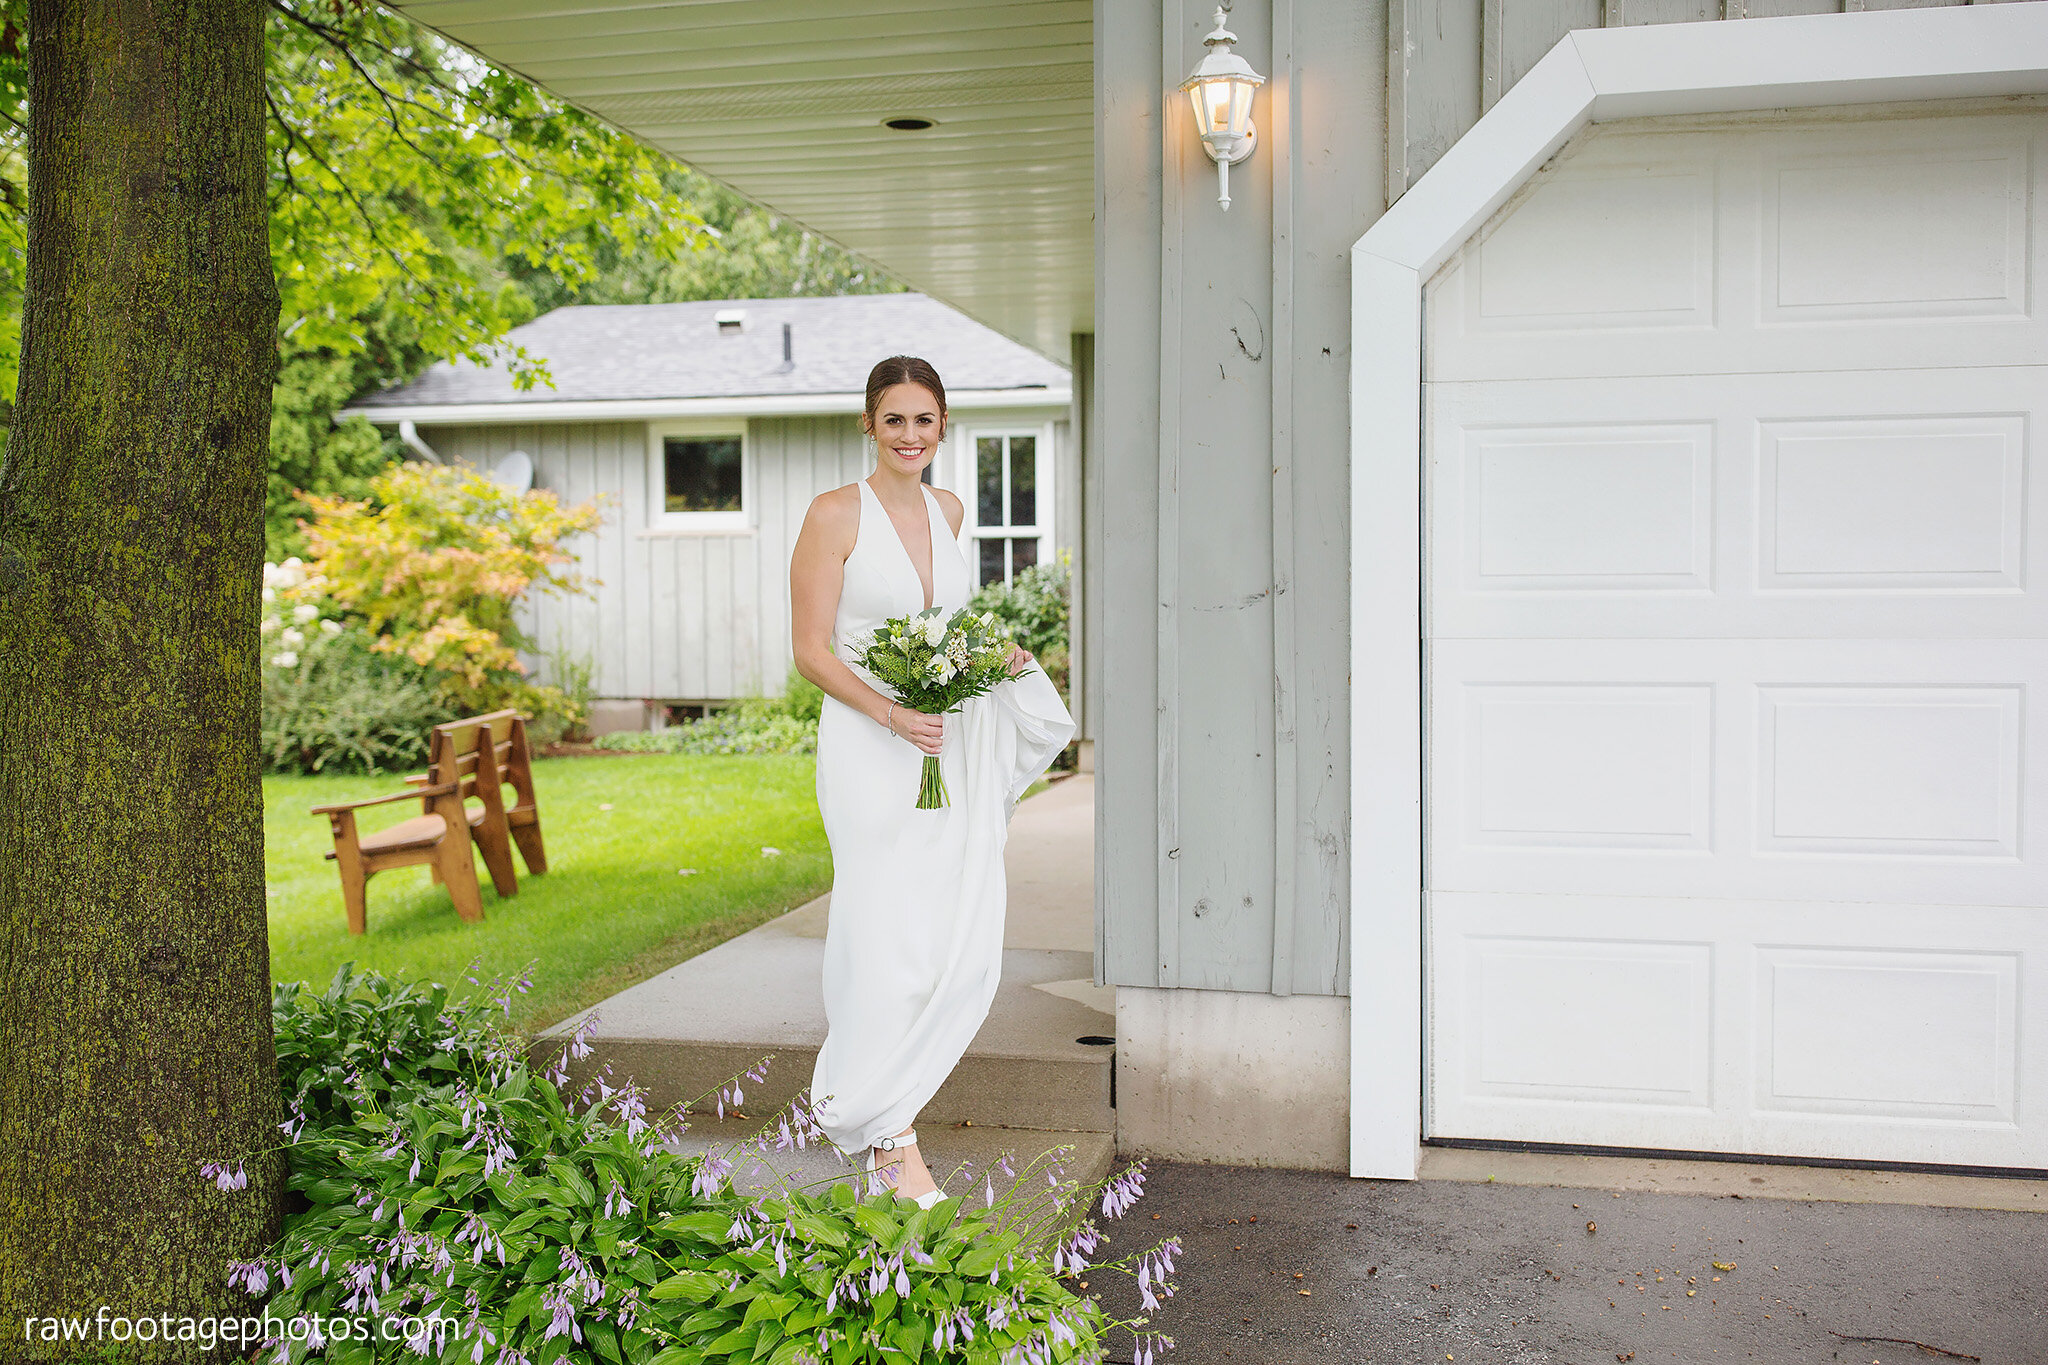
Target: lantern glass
[[1240, 105], [1211, 101]]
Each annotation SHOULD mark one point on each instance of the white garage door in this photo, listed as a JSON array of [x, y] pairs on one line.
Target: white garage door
[[1737, 659]]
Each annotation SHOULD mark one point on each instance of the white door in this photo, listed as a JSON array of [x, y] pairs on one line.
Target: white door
[[1736, 668]]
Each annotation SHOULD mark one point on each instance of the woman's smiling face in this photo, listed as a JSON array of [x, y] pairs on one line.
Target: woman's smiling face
[[907, 427]]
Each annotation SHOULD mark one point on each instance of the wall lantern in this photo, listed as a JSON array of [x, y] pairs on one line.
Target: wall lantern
[[1221, 92]]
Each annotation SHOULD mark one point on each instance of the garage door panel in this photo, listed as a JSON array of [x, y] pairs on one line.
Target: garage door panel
[[1883, 1030], [1811, 769], [1902, 502], [1746, 248], [1736, 816]]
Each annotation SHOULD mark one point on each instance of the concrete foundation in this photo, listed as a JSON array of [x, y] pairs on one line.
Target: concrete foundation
[[1249, 1079], [610, 715]]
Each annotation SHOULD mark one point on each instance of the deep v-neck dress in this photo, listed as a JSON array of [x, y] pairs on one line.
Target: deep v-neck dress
[[914, 941]]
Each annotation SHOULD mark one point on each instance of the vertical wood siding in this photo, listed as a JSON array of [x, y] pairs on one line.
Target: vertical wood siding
[[1451, 60], [696, 617], [679, 617], [1220, 480]]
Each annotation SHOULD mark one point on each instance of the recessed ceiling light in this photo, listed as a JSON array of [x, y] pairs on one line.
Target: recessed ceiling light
[[908, 125]]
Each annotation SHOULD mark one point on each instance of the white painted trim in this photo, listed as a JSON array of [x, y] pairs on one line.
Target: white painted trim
[[1591, 76], [1044, 469], [654, 409], [661, 522]]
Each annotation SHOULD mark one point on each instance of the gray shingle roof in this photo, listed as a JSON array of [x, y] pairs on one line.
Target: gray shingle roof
[[675, 350]]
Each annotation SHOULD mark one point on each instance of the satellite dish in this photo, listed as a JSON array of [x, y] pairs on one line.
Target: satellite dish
[[515, 471]]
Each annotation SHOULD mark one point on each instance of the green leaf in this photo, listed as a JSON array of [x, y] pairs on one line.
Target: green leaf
[[732, 1343], [876, 1224], [692, 1286], [709, 1226]]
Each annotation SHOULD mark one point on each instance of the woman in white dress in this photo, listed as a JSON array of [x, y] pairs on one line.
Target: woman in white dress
[[913, 949]]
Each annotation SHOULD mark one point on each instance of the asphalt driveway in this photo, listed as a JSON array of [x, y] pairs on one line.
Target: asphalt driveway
[[1304, 1268]]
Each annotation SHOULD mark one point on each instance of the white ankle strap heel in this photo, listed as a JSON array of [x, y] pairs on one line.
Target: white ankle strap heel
[[890, 1144]]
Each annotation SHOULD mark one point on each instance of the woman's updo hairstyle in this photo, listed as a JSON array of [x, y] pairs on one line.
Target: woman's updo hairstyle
[[902, 369]]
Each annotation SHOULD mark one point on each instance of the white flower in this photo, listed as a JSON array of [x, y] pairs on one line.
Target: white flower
[[767, 852], [933, 628], [285, 660], [292, 638], [269, 624], [330, 627], [269, 594], [304, 612], [942, 668]]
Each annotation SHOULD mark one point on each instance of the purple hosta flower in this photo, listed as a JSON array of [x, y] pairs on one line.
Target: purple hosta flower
[[997, 1314], [1009, 1171], [918, 1254], [616, 1196], [291, 1126], [1144, 1348], [741, 1229], [711, 1174], [357, 1275], [484, 1337], [989, 1185], [1124, 1191], [631, 1107], [902, 1278], [252, 1277], [412, 1176], [557, 1300], [1076, 1249]]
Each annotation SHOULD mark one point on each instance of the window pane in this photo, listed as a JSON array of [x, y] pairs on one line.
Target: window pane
[[1023, 553], [701, 473], [992, 561], [988, 467], [1023, 481]]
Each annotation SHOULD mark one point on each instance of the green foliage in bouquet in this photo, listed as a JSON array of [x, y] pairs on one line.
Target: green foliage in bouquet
[[935, 663]]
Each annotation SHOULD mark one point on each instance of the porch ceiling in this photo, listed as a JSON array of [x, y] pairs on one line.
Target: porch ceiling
[[991, 210]]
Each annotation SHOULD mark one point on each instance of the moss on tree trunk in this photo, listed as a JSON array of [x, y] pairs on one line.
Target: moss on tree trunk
[[135, 1037]]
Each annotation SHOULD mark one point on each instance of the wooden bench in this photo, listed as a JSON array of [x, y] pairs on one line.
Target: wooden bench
[[468, 760]]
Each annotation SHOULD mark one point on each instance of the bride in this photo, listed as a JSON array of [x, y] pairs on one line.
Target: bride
[[913, 947]]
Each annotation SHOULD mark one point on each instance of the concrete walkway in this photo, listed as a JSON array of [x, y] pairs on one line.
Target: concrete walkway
[[1026, 1085]]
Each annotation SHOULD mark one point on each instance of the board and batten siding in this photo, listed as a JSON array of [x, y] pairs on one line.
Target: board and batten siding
[[1449, 61], [1221, 487], [703, 616], [678, 616]]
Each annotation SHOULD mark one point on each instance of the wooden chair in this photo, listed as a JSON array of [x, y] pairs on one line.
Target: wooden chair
[[456, 743], [440, 836]]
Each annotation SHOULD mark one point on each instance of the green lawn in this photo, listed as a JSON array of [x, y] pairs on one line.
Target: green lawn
[[611, 910]]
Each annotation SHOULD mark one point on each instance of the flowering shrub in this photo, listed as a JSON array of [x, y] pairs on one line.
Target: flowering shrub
[[329, 699], [434, 564], [1035, 608], [448, 1180]]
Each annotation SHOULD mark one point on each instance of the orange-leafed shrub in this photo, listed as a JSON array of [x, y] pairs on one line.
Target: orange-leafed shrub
[[433, 566]]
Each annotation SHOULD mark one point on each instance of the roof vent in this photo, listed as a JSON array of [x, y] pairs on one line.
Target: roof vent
[[731, 321]]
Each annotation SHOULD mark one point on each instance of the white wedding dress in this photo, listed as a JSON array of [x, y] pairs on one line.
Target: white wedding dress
[[914, 945]]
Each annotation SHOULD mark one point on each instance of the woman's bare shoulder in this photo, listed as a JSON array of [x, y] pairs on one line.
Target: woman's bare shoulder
[[834, 515], [950, 504]]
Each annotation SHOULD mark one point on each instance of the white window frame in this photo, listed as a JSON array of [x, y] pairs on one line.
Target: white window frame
[[663, 522], [972, 532]]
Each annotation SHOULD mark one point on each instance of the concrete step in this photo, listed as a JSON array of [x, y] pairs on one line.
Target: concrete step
[[682, 1034], [964, 1158]]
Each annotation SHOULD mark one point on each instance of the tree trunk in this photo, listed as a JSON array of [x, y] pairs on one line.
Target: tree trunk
[[135, 1037]]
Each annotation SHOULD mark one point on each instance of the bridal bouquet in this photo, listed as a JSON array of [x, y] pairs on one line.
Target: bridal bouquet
[[933, 664]]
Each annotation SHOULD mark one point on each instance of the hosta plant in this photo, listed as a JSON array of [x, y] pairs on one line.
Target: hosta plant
[[458, 1189]]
